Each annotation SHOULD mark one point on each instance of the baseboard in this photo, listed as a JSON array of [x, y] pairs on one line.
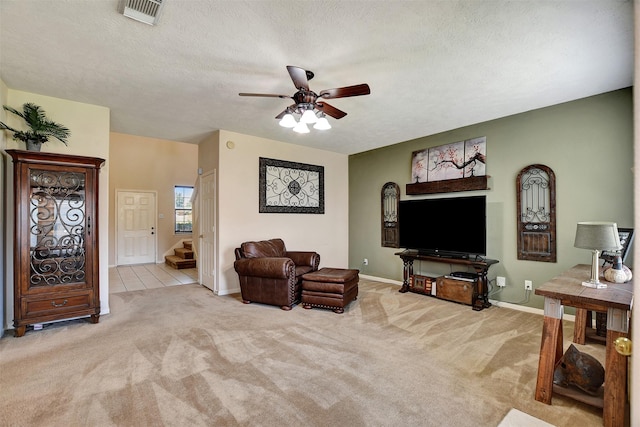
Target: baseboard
[[380, 279], [568, 317]]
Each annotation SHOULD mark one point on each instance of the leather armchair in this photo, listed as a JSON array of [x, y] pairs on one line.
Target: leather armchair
[[270, 274]]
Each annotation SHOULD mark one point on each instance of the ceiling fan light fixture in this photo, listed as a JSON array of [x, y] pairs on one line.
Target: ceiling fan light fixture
[[308, 104], [322, 124], [301, 128], [288, 121], [309, 116]]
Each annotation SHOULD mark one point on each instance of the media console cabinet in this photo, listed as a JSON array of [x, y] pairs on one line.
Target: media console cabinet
[[474, 292]]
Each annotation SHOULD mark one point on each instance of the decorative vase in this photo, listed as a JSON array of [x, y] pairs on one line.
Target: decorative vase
[[33, 145], [618, 273]]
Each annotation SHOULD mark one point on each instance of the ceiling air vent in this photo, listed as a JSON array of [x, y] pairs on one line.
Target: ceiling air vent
[[147, 11]]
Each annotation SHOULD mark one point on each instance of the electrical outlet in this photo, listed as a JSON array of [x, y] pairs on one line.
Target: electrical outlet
[[501, 281], [528, 285], [365, 261]]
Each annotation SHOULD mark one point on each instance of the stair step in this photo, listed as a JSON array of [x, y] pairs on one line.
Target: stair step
[[184, 253], [188, 244], [179, 263]]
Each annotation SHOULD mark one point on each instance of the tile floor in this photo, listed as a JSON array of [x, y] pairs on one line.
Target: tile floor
[[146, 276]]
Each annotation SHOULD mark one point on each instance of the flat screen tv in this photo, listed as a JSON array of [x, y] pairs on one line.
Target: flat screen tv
[[448, 227]]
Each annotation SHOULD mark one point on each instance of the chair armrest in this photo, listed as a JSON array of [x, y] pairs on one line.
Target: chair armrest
[[274, 268], [311, 259]]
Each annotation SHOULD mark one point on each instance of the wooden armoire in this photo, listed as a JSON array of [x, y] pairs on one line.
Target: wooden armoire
[[56, 260]]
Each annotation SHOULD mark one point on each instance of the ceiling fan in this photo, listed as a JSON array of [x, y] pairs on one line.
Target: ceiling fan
[[308, 103]]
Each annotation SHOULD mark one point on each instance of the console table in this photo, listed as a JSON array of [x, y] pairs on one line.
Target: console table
[[567, 290], [481, 267]]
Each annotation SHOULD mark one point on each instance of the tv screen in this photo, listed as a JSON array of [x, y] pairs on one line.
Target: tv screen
[[454, 227]]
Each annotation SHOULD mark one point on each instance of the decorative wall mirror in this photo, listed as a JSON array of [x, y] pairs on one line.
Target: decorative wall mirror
[[536, 194], [390, 204]]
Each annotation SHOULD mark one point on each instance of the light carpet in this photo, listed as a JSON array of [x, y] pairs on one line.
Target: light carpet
[[182, 356]]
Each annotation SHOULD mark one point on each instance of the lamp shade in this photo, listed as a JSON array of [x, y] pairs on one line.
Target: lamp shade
[[322, 124], [308, 117], [597, 235], [288, 121], [301, 127]]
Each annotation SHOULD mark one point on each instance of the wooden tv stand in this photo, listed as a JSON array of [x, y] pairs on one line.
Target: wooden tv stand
[[481, 266]]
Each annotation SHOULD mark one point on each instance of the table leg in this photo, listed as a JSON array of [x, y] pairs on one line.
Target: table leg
[[482, 299], [615, 370], [580, 326], [407, 272], [550, 349]]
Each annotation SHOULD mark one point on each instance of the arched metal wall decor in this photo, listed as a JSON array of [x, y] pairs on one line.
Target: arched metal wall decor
[[390, 204], [536, 222]]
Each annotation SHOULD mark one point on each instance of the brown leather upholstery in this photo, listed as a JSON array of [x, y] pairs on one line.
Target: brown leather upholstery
[[332, 288], [270, 274]]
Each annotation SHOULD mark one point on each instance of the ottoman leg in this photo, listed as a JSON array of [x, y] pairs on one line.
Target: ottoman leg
[[307, 306], [339, 310]]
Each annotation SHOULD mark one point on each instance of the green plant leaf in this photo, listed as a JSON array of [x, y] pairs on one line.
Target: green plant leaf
[[41, 127]]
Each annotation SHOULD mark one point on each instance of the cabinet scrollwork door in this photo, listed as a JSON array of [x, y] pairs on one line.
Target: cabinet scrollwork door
[[390, 205], [56, 267], [536, 222]]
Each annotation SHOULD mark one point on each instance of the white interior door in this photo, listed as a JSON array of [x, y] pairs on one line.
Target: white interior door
[[136, 227], [206, 258]]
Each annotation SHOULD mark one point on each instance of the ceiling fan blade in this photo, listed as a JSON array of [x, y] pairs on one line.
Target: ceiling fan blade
[[343, 92], [330, 110], [299, 77], [267, 95]]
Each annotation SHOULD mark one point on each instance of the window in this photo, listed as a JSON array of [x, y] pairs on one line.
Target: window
[[183, 209]]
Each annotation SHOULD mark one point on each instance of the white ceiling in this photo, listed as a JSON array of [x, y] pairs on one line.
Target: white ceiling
[[432, 65]]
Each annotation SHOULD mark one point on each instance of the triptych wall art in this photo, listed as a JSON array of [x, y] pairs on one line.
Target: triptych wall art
[[461, 159], [289, 187]]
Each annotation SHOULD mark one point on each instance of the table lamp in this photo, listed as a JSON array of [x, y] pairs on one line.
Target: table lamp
[[597, 236]]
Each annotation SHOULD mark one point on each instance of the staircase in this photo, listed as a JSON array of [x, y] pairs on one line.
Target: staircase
[[183, 257]]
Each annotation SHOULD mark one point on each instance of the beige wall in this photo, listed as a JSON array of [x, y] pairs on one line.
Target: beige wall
[[149, 164], [89, 125], [238, 219], [589, 145]]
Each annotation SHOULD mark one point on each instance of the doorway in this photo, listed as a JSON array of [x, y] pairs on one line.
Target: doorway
[[136, 230]]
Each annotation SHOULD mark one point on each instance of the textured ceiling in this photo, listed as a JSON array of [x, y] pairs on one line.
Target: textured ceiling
[[432, 65]]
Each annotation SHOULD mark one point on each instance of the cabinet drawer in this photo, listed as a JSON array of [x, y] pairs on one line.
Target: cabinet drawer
[[55, 305], [461, 291]]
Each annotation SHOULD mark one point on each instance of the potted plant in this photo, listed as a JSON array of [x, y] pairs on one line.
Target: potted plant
[[41, 128]]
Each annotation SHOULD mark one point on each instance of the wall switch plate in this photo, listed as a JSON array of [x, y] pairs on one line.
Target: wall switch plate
[[365, 261], [501, 281], [528, 285]]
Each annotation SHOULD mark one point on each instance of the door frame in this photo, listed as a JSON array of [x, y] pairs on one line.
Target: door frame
[[155, 208]]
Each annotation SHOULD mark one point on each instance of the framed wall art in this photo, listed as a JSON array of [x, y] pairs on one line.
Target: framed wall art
[[290, 187], [462, 159], [536, 213], [626, 238]]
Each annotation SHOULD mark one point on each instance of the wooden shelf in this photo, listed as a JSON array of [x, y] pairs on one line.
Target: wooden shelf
[[449, 185], [592, 335], [580, 396]]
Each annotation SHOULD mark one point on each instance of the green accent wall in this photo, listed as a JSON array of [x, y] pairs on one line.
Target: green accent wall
[[588, 143]]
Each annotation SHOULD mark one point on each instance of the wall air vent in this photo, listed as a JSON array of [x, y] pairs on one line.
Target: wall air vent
[[147, 11]]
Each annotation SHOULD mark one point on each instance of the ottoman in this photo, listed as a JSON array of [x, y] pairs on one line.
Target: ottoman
[[332, 288]]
